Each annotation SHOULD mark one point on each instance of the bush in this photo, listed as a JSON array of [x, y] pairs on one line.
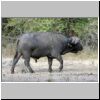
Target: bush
[[85, 28]]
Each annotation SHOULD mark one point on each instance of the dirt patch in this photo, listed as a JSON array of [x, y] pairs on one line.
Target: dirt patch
[[73, 71]]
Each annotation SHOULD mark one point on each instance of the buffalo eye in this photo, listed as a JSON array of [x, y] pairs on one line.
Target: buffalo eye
[[69, 45]]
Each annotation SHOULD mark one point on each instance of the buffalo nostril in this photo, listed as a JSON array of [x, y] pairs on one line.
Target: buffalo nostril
[[81, 48]]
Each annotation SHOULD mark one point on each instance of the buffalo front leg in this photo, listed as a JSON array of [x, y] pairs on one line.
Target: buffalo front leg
[[50, 64], [59, 58], [15, 60]]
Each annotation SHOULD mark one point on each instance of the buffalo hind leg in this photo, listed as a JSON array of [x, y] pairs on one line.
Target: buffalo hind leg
[[59, 58], [50, 64], [15, 60], [28, 65]]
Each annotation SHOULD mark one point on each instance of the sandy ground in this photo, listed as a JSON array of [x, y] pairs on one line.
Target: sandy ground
[[73, 71]]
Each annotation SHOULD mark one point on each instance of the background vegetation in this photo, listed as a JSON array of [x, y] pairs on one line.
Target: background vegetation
[[85, 28]]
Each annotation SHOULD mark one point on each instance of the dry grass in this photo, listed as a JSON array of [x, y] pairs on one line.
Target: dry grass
[[80, 67], [82, 55], [73, 71]]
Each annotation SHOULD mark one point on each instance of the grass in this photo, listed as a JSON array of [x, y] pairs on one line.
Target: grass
[[82, 55]]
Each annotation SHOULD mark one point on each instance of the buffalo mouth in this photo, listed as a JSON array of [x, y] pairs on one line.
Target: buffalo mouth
[[74, 51], [77, 50]]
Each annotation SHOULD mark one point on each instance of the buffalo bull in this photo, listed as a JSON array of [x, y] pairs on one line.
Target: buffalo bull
[[51, 45]]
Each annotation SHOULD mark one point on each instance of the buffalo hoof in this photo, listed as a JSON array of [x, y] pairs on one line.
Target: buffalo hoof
[[60, 69], [12, 72], [32, 71], [50, 70]]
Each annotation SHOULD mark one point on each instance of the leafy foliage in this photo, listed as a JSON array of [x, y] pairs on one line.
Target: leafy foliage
[[85, 28]]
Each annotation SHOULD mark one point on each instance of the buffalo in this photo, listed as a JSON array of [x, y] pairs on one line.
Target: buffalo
[[45, 44]]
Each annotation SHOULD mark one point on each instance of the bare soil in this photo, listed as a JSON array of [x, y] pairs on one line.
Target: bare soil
[[73, 71]]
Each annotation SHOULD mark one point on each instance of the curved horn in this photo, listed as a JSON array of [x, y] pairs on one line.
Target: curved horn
[[74, 40]]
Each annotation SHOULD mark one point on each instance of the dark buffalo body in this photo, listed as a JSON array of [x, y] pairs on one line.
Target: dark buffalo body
[[51, 45]]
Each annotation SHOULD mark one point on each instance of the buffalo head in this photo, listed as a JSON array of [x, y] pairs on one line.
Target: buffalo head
[[74, 44]]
